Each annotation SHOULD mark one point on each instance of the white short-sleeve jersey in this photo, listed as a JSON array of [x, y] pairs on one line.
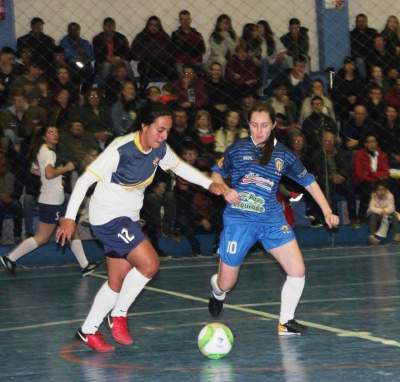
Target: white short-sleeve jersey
[[51, 190], [123, 172]]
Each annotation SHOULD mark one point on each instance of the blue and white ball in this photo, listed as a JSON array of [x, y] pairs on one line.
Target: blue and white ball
[[215, 340]]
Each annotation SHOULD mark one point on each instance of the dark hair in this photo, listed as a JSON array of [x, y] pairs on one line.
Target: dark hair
[[294, 21], [149, 113], [108, 20], [7, 50], [300, 58], [215, 35], [58, 49], [157, 19], [370, 134], [73, 24], [36, 142], [269, 144], [317, 98], [268, 36], [380, 183], [184, 12], [36, 20]]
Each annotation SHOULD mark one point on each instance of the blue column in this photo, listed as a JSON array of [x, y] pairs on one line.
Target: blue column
[[7, 26], [333, 33]]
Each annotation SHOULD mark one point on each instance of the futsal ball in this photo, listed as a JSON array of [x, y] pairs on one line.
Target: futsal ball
[[215, 340]]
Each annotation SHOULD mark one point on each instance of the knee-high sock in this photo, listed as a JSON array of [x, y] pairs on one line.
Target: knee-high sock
[[133, 284], [291, 292], [103, 302], [217, 292], [79, 253], [28, 245]]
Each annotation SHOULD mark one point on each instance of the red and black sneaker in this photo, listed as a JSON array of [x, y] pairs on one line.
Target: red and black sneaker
[[119, 329], [95, 341]]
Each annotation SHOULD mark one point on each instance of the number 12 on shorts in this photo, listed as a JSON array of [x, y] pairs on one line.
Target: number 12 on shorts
[[125, 236], [232, 247]]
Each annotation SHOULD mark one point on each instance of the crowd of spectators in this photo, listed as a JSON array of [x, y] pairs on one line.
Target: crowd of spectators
[[347, 135]]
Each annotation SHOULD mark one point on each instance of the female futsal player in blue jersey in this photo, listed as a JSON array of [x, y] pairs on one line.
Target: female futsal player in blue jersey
[[256, 166], [122, 173]]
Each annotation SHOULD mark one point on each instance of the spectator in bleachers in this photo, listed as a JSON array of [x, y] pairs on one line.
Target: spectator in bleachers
[[389, 136], [109, 46], [223, 41], [96, 117], [29, 81], [273, 53], [78, 51], [219, 93], [380, 56], [391, 34], [181, 133], [167, 95], [21, 119], [188, 42], [370, 165], [392, 97], [124, 111], [205, 132], [23, 61], [332, 167], [382, 213], [63, 81], [75, 143], [154, 50], [242, 72], [246, 102], [251, 37], [45, 94], [9, 203], [229, 132], [153, 95], [356, 127], [40, 45], [375, 104], [283, 105], [298, 82], [376, 77], [296, 41], [114, 82], [7, 74], [317, 89], [362, 41], [190, 90], [348, 89], [316, 124], [63, 112]]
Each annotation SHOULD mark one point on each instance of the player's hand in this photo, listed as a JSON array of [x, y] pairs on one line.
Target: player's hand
[[232, 196], [65, 231], [216, 188], [332, 220]]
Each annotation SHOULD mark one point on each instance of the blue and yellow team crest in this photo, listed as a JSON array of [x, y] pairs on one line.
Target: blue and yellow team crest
[[285, 228], [279, 163]]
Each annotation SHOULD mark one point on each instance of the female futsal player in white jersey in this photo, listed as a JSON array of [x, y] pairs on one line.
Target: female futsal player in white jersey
[[122, 173], [51, 203], [255, 166]]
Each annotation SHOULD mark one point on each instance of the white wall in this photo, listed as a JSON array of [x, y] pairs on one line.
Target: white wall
[[130, 15], [377, 11]]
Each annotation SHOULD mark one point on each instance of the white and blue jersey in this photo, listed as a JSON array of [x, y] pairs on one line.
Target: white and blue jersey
[[259, 215]]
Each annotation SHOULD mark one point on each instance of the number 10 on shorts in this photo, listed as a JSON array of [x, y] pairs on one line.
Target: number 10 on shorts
[[232, 247]]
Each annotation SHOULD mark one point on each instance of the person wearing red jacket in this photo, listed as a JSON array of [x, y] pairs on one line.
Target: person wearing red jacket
[[370, 165]]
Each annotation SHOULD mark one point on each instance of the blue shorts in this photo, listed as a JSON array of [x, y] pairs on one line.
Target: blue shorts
[[51, 213], [119, 236], [237, 239]]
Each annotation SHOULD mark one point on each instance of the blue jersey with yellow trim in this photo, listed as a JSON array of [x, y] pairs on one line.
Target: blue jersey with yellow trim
[[258, 184]]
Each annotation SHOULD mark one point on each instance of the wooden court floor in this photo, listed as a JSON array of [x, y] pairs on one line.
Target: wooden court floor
[[351, 304]]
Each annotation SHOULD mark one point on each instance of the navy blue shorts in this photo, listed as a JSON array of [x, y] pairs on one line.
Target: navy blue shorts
[[119, 236], [51, 213], [237, 239]]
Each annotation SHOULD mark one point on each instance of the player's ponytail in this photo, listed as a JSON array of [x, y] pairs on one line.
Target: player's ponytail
[[269, 144]]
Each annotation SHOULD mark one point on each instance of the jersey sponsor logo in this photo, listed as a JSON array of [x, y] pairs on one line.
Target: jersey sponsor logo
[[279, 164], [250, 202], [253, 178], [247, 157]]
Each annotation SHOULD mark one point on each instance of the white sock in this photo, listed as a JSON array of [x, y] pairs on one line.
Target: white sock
[[217, 292], [133, 284], [291, 292], [28, 245], [103, 302], [79, 253]]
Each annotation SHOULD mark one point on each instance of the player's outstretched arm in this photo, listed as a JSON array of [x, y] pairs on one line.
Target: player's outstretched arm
[[331, 219], [67, 226], [230, 195]]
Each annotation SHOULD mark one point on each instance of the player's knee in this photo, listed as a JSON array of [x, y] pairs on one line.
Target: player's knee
[[298, 271], [115, 284], [40, 240], [151, 267]]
